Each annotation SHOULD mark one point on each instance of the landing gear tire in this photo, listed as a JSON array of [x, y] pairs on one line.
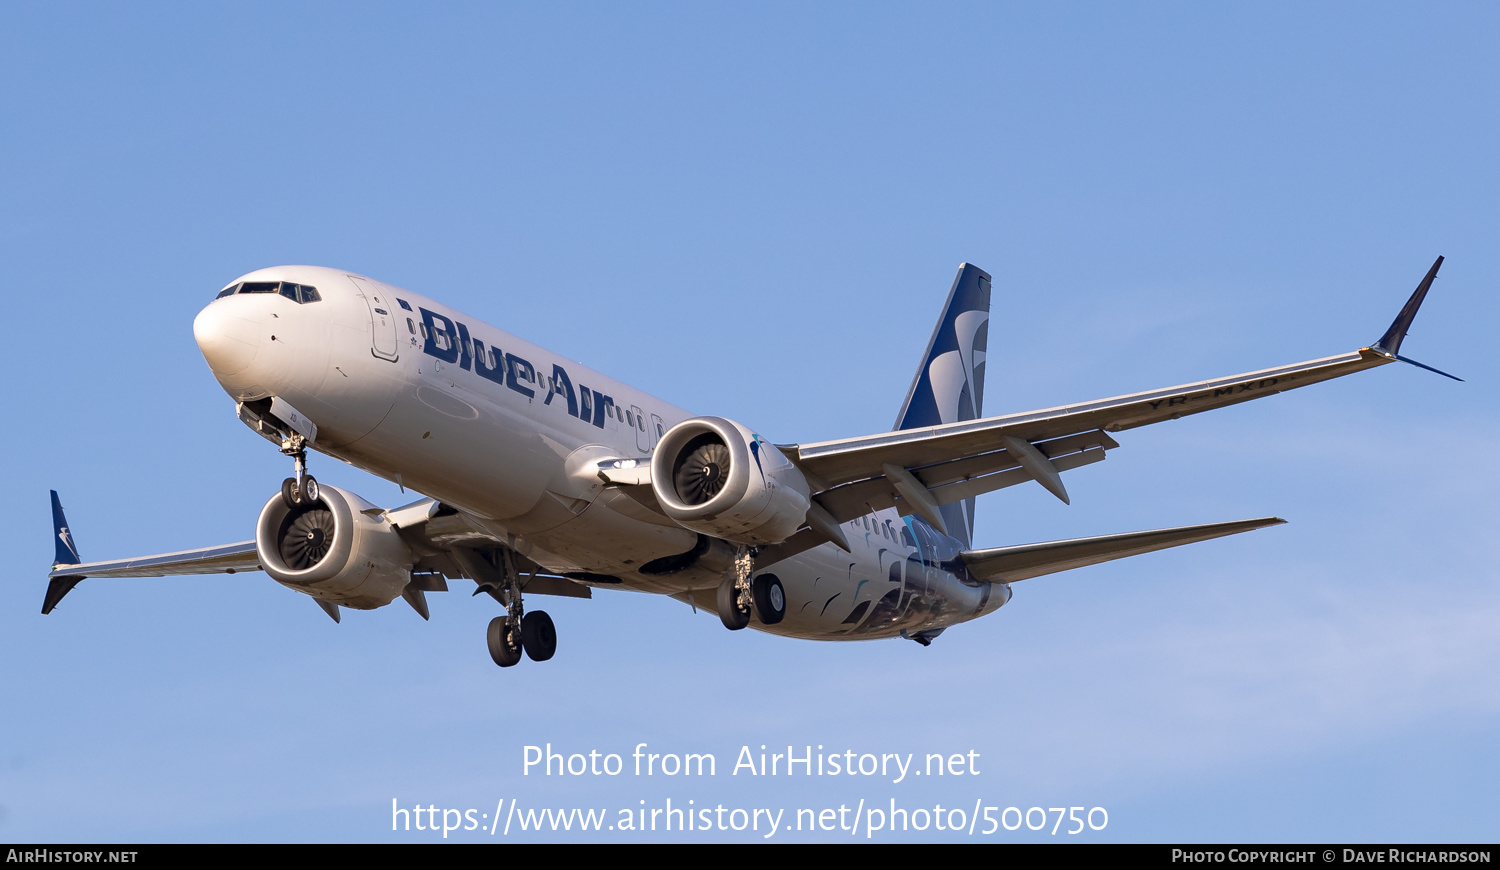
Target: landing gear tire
[[505, 644], [309, 490], [770, 599], [538, 636], [289, 493], [731, 614]]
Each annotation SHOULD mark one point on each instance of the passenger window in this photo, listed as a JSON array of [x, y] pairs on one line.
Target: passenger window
[[424, 338], [629, 419], [411, 327]]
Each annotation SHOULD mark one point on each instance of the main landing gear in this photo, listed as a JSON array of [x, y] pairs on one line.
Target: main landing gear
[[738, 595], [302, 490], [517, 631]]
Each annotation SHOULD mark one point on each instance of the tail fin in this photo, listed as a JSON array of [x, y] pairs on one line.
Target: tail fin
[[949, 383]]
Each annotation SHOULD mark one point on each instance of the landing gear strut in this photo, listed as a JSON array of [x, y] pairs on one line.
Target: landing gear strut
[[302, 490], [739, 596], [518, 631], [734, 599]]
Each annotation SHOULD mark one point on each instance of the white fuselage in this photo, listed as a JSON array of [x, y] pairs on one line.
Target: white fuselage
[[511, 435]]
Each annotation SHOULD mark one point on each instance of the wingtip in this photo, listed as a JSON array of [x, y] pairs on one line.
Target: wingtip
[[58, 587], [1390, 343], [1261, 523]]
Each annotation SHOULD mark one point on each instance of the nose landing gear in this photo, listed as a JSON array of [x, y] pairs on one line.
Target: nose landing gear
[[302, 490]]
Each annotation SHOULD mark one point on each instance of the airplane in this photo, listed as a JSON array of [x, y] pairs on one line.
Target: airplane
[[543, 477]]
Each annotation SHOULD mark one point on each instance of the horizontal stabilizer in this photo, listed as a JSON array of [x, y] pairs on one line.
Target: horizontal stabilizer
[[1009, 564]]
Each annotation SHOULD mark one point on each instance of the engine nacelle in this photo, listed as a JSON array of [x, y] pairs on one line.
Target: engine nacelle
[[339, 550], [718, 478]]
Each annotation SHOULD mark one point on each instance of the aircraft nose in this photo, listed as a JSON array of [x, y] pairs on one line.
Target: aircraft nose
[[225, 339]]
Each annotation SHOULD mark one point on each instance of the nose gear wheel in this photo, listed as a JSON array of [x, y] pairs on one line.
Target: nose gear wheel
[[303, 488]]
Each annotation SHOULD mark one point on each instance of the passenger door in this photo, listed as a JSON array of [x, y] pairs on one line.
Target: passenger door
[[382, 321]]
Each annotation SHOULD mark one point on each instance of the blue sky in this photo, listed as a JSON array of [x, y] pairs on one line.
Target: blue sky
[[755, 211]]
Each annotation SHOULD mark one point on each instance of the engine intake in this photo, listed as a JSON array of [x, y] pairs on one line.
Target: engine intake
[[716, 477], [340, 549]]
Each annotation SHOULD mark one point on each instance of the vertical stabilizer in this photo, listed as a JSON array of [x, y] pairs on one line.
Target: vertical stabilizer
[[949, 383]]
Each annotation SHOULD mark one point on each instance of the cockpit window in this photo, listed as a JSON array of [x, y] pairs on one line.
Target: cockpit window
[[299, 293]]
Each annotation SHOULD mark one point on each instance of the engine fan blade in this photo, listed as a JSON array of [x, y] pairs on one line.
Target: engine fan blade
[[307, 539], [702, 473]]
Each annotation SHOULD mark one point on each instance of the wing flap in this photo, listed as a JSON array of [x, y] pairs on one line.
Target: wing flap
[[1009, 564], [857, 499]]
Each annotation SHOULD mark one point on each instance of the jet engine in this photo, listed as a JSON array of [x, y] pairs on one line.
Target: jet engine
[[718, 478], [340, 549]]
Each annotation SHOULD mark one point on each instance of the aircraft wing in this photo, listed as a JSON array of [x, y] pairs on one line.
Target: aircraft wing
[[226, 559], [917, 470], [443, 542]]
